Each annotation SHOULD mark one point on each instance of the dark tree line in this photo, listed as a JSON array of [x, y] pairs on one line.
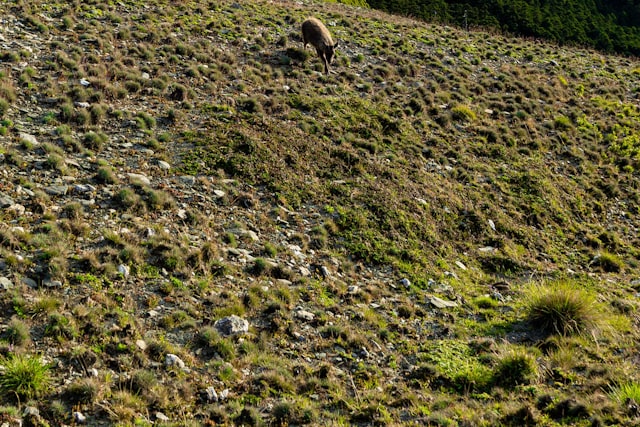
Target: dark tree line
[[608, 25]]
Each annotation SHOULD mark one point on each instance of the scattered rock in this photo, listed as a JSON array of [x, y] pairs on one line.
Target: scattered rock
[[245, 233], [56, 190], [136, 177], [187, 180], [497, 296], [324, 272], [52, 284], [320, 270], [17, 209], [304, 315], [124, 270], [164, 165], [440, 303], [232, 325], [31, 417], [209, 395], [161, 417], [31, 139], [31, 411], [5, 283], [173, 360], [30, 282], [405, 282], [304, 271], [5, 201], [460, 265], [79, 417], [84, 188]]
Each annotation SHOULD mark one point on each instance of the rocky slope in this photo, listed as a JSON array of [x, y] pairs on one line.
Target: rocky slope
[[200, 228]]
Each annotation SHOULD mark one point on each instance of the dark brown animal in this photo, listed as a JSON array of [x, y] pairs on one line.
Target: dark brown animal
[[314, 32]]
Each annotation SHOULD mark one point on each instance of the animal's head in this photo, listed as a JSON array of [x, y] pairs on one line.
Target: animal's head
[[330, 51]]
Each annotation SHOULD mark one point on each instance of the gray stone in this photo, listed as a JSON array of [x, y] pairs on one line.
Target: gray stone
[[30, 282], [304, 271], [187, 179], [231, 325], [304, 315], [245, 233], [5, 201], [405, 282], [161, 417], [497, 296], [57, 190], [440, 303], [84, 188], [17, 209], [31, 413], [324, 272], [124, 270], [52, 284], [173, 360], [79, 417], [26, 191], [5, 283], [210, 395], [136, 177], [28, 138], [164, 165]]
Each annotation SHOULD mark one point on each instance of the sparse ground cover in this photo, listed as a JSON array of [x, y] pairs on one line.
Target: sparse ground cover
[[442, 232]]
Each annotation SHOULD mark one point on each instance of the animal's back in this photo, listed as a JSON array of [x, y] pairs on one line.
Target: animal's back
[[314, 32]]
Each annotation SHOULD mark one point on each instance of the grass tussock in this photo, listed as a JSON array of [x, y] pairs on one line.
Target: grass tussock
[[564, 308], [24, 376]]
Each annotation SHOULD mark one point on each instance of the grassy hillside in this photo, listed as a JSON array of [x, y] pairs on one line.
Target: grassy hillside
[[443, 231]]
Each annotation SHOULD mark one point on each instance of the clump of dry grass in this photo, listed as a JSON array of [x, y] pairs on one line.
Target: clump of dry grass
[[564, 308]]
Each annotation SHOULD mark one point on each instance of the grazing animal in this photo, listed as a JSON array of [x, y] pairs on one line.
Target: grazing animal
[[314, 32]]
